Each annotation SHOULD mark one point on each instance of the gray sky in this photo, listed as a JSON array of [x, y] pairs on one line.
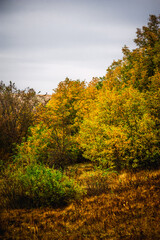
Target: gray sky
[[44, 41]]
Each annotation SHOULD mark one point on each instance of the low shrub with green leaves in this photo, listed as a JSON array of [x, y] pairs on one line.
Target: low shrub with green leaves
[[37, 185]]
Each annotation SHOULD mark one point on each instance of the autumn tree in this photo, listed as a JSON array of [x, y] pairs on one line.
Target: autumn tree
[[119, 132], [139, 65], [16, 115], [122, 127], [52, 140], [62, 110], [115, 119]]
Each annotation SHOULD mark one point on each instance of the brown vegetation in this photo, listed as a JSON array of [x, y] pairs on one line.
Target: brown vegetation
[[126, 208]]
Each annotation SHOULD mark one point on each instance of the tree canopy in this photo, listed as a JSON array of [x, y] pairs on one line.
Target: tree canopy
[[113, 121]]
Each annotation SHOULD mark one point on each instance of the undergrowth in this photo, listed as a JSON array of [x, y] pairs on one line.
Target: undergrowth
[[36, 186], [127, 208]]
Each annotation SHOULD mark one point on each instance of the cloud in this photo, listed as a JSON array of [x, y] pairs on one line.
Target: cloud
[[48, 39]]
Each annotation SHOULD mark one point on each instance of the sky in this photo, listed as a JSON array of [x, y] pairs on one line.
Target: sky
[[44, 41]]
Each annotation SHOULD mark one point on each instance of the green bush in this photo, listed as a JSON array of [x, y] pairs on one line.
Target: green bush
[[37, 185]]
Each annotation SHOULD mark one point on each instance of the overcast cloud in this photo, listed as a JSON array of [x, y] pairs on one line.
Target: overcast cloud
[[44, 41]]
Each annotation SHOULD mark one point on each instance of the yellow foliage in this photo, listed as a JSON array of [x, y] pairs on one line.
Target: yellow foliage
[[119, 130]]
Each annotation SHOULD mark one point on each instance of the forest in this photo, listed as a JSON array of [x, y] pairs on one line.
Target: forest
[[84, 163]]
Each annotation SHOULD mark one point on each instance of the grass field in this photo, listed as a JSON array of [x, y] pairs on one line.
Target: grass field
[[115, 206]]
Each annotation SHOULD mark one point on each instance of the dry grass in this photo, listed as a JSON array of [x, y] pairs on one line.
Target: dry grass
[[128, 208]]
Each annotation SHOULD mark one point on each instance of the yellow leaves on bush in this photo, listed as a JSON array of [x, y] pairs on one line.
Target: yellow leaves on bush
[[119, 129]]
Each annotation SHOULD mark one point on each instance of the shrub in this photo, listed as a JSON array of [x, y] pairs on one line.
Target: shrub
[[37, 185]]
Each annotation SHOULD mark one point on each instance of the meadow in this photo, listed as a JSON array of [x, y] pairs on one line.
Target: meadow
[[115, 206]]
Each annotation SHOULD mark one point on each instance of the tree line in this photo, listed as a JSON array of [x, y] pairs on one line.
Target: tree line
[[113, 121]]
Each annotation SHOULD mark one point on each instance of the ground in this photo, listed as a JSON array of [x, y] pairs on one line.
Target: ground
[[115, 206]]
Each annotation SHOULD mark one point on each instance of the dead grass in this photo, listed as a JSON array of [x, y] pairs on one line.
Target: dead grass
[[128, 208]]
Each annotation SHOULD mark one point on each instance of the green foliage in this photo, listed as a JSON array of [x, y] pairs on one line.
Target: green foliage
[[37, 185], [36, 148]]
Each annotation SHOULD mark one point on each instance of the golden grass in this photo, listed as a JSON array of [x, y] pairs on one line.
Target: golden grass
[[128, 208]]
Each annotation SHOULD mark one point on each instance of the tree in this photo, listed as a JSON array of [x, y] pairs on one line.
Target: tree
[[16, 115], [52, 139], [119, 131], [139, 65], [150, 35]]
